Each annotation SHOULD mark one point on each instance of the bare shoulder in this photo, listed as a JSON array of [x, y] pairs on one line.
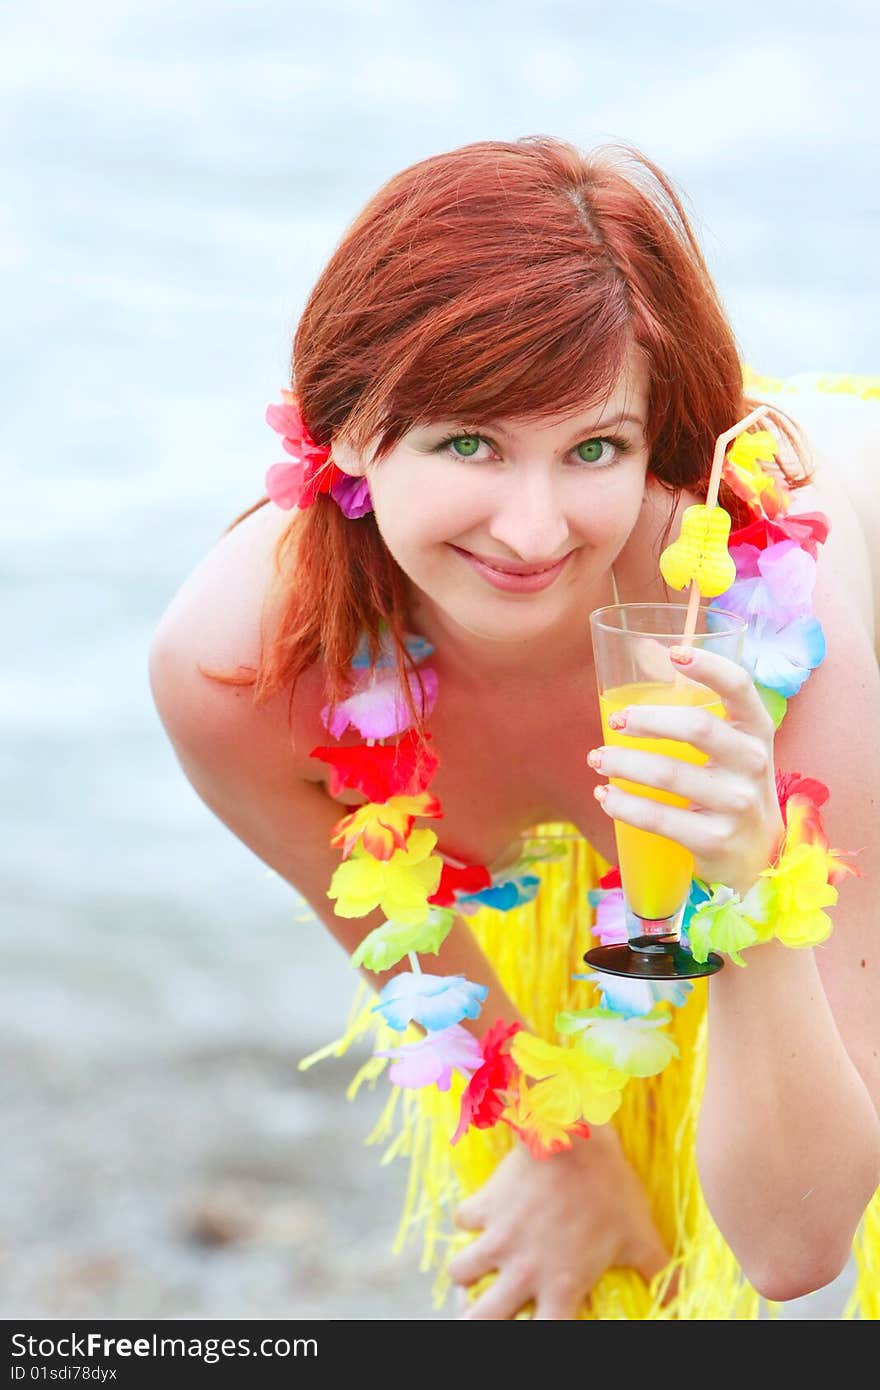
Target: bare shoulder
[[221, 606], [218, 619]]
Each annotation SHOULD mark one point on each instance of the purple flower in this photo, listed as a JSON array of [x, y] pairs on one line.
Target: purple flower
[[352, 497], [432, 1059], [610, 924], [776, 583], [378, 707]]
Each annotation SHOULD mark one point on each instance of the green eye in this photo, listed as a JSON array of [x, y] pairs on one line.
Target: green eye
[[591, 450], [468, 444]]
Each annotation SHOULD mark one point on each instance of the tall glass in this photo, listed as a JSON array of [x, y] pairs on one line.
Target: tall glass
[[631, 644]]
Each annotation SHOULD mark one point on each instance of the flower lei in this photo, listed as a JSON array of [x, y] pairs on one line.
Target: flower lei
[[550, 1093]]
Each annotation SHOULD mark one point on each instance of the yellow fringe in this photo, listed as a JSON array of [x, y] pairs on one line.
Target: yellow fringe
[[867, 388], [535, 950]]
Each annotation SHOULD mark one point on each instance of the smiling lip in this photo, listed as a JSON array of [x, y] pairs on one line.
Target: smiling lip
[[521, 579]]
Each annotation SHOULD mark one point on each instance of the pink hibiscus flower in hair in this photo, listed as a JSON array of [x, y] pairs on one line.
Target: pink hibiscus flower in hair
[[297, 484]]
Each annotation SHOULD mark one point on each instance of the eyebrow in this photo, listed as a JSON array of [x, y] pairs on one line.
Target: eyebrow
[[496, 425]]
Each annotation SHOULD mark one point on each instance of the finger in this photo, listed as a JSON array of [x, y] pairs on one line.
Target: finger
[[470, 1215], [557, 1303], [713, 789], [723, 744], [550, 1311], [732, 682], [704, 833], [475, 1260], [502, 1300], [657, 1265]]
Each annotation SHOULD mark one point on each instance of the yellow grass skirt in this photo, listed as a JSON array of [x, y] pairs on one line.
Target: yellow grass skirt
[[535, 950]]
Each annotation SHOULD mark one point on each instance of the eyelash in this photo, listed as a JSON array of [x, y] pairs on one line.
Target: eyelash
[[621, 445]]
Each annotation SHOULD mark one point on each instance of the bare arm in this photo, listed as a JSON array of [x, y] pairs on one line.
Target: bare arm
[[789, 1135], [239, 760]]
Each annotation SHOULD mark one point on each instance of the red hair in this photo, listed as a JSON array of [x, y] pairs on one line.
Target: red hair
[[501, 279]]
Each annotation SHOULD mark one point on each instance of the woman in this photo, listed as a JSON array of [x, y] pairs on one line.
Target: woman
[[520, 351]]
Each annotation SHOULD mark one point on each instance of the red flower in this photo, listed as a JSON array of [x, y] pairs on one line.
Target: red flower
[[793, 784], [468, 879], [808, 529], [799, 800], [384, 770], [481, 1105], [312, 473]]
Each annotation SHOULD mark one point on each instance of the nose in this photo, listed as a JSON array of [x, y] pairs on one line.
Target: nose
[[530, 522]]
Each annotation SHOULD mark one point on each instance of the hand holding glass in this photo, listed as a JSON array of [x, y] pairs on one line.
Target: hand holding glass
[[631, 650]]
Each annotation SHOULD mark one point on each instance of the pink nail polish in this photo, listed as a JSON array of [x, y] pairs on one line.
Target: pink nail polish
[[683, 655], [618, 719], [600, 794], [594, 758]]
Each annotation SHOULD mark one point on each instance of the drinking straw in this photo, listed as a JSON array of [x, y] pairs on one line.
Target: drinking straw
[[721, 446]]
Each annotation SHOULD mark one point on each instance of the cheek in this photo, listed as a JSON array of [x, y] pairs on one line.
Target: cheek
[[606, 515], [417, 508]]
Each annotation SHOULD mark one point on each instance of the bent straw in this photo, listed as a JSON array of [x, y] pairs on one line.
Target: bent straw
[[721, 443]]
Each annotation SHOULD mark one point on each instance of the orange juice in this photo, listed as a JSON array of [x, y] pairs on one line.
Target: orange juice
[[655, 872]]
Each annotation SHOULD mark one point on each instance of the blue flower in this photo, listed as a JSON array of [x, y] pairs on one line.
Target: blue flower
[[782, 658], [782, 644], [434, 1001], [503, 895], [631, 998], [698, 896], [418, 647]]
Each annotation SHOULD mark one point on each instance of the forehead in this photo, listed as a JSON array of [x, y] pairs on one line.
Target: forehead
[[625, 403]]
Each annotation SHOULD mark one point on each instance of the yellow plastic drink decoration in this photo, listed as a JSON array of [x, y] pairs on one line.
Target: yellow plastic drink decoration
[[655, 872], [700, 555]]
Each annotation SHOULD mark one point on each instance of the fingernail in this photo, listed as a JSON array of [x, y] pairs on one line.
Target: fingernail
[[594, 758], [618, 719], [600, 794], [683, 655]]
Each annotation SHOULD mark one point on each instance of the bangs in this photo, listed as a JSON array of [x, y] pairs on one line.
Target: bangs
[[538, 340], [483, 376]]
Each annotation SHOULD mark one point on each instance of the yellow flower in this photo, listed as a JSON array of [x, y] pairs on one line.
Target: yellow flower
[[571, 1084], [382, 826], [751, 447], [800, 891], [401, 885], [700, 554], [743, 472], [534, 1116]]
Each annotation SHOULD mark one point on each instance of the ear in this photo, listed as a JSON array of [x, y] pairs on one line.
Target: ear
[[348, 459]]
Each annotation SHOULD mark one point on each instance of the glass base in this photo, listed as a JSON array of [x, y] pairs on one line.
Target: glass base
[[644, 959]]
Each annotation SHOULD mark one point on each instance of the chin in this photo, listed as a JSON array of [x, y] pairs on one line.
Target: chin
[[515, 623]]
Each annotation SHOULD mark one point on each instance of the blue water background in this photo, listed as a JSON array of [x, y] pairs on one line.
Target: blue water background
[[175, 176]]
